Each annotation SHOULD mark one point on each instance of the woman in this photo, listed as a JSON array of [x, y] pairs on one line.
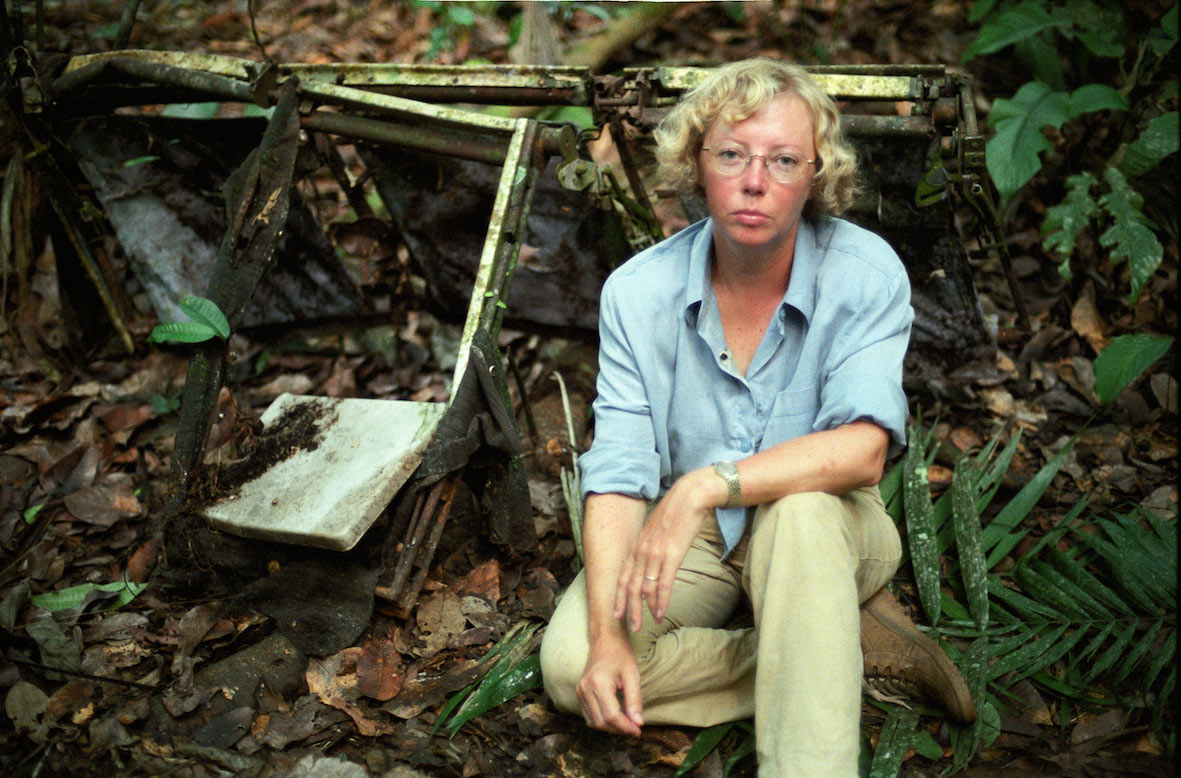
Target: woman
[[750, 384]]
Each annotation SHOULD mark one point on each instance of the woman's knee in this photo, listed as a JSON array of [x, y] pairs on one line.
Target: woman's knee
[[560, 670], [802, 514]]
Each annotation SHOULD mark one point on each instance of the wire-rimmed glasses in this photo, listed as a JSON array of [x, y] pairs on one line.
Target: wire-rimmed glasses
[[730, 161]]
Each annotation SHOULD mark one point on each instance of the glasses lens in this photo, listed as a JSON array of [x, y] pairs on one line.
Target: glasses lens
[[785, 168], [728, 161]]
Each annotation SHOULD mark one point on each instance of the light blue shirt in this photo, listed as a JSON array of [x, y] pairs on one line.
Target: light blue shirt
[[669, 400]]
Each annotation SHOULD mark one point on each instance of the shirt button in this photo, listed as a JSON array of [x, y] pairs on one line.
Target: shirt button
[[744, 444]]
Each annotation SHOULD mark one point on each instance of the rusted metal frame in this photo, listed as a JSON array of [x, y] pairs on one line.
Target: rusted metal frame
[[974, 189], [864, 126], [482, 95], [431, 138], [615, 127], [506, 230], [155, 72], [426, 553]]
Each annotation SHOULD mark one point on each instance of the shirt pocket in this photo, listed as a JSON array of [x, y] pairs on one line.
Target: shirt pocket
[[792, 415]]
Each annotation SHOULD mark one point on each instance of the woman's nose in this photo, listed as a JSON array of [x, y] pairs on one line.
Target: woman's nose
[[754, 178]]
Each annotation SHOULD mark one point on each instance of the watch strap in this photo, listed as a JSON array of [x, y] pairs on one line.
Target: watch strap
[[729, 473]]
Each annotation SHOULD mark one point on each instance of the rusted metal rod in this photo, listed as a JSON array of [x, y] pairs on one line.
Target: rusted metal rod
[[415, 533], [426, 553], [423, 138]]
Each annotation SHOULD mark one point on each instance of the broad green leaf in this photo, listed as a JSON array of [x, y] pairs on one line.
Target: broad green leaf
[[926, 746], [988, 724], [979, 10], [705, 742], [920, 529], [205, 311], [897, 734], [1096, 97], [1024, 21], [1043, 60], [1163, 38], [1131, 236], [75, 596], [1157, 141], [1124, 359], [512, 674], [1100, 26], [967, 534], [181, 332], [1012, 154], [1065, 221]]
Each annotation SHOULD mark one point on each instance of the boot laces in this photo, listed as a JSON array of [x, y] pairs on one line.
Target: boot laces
[[887, 684]]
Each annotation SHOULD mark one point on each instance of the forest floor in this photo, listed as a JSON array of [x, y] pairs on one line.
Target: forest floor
[[88, 439]]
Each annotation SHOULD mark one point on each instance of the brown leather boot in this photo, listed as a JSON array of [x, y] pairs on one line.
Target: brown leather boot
[[902, 662]]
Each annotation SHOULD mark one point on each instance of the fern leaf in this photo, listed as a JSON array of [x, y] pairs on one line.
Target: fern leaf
[[1066, 221], [1130, 236], [1155, 143], [1112, 654], [1081, 577], [1030, 609], [1032, 580], [1021, 661], [1163, 658], [1096, 643], [1021, 504], [1132, 659]]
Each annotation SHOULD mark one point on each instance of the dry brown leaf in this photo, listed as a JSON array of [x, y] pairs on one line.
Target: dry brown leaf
[[379, 670], [334, 681], [483, 581], [965, 438], [1086, 321]]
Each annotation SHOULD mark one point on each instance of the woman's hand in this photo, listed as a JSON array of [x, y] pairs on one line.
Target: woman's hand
[[649, 570], [611, 670]]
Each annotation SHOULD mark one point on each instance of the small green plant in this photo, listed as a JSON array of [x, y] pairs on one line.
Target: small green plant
[[207, 322], [1100, 195]]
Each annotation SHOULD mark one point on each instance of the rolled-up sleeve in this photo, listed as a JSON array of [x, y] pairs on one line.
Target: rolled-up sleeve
[[623, 457], [863, 372]]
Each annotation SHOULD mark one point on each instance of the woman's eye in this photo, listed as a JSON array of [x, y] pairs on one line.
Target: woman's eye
[[785, 162], [730, 155]]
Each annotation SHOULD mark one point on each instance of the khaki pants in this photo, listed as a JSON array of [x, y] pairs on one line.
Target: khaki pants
[[806, 563]]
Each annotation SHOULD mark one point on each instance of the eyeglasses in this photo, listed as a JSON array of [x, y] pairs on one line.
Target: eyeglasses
[[730, 161]]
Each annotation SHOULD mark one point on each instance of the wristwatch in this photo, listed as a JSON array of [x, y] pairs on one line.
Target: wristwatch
[[729, 474]]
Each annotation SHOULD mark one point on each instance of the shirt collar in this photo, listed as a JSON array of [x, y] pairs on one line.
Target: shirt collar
[[698, 271], [801, 289]]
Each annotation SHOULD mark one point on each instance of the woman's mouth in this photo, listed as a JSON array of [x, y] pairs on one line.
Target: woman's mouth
[[750, 218]]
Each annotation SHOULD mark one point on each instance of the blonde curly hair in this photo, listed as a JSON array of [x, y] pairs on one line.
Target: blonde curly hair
[[736, 91]]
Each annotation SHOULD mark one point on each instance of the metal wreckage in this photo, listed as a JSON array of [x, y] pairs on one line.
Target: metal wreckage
[[91, 155]]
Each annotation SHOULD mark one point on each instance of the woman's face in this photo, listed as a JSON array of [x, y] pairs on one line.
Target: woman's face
[[752, 211]]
